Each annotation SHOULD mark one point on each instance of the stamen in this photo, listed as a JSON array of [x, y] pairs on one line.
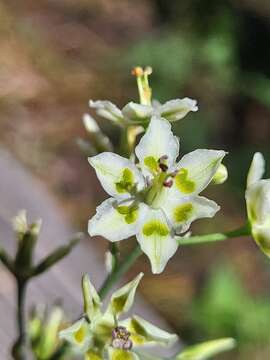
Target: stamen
[[121, 338], [161, 163], [163, 158], [174, 173], [168, 183], [163, 167], [137, 71], [145, 91]]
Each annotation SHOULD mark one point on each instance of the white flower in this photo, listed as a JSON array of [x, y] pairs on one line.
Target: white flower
[[258, 203], [156, 198], [134, 113], [102, 335]]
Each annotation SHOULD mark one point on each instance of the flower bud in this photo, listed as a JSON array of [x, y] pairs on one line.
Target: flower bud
[[221, 175]]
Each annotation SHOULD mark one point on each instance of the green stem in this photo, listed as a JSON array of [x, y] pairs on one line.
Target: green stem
[[126, 264], [18, 350], [119, 271], [209, 238]]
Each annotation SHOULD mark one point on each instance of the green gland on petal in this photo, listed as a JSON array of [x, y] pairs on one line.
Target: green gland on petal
[[119, 354], [80, 334], [183, 184], [92, 355], [77, 334], [130, 213], [151, 163], [183, 212], [126, 182], [155, 227], [122, 299]]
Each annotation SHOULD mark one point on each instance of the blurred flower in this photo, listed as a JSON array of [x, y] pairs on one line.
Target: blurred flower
[[206, 349], [134, 113], [172, 110], [101, 335], [157, 198], [258, 203], [43, 328], [137, 114]]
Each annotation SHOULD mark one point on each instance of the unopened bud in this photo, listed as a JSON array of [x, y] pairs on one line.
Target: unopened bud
[[221, 175], [20, 225]]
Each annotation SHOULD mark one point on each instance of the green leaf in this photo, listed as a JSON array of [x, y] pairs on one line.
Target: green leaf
[[56, 256], [6, 260], [207, 349]]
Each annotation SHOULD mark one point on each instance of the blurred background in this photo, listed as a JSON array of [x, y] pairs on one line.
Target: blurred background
[[56, 55]]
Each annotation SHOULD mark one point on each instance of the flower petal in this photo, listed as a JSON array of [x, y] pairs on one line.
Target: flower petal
[[205, 350], [174, 110], [92, 302], [122, 299], [119, 354], [137, 112], [118, 175], [156, 240], [256, 169], [258, 201], [114, 221], [158, 141], [196, 169], [182, 211], [78, 335], [261, 234], [107, 110], [143, 332]]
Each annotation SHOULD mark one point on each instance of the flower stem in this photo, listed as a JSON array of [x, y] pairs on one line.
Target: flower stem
[[127, 263], [119, 271], [18, 350], [209, 238]]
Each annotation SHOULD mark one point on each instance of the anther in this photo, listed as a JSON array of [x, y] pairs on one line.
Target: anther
[[174, 173], [121, 338], [161, 163], [163, 158], [137, 71], [163, 167], [168, 183]]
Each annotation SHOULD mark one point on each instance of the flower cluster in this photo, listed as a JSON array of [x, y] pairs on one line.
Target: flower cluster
[[156, 198], [102, 335]]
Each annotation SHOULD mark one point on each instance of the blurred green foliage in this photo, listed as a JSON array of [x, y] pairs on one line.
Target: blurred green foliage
[[226, 308]]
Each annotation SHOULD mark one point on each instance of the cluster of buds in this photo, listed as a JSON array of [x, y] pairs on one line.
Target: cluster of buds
[[22, 264]]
